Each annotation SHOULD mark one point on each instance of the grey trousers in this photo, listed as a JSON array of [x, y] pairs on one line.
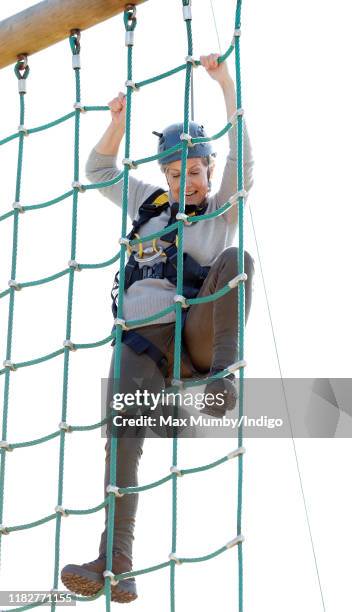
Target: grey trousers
[[210, 339]]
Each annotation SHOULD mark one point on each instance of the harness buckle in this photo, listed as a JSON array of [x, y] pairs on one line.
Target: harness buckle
[[156, 271], [149, 250], [146, 272]]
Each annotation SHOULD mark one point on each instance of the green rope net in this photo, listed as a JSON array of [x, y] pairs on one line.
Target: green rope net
[[77, 190]]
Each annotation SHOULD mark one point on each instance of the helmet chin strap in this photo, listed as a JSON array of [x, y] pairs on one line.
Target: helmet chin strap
[[209, 183], [209, 179]]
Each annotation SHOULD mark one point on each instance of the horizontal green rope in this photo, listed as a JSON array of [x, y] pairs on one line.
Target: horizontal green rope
[[126, 575], [9, 138], [56, 200], [53, 123], [185, 471], [47, 279], [209, 298], [59, 198], [90, 186], [204, 557], [130, 324], [152, 485], [41, 281], [90, 427], [54, 354], [140, 84], [165, 230], [144, 160], [204, 381], [147, 570], [89, 510], [119, 177], [216, 136], [161, 76], [191, 383], [153, 568], [104, 264], [37, 523], [47, 357], [95, 344], [7, 215], [57, 433], [216, 213], [46, 126], [36, 441], [40, 359], [96, 108], [157, 315], [204, 468], [125, 490], [40, 128], [53, 277], [51, 517], [173, 71], [201, 300]]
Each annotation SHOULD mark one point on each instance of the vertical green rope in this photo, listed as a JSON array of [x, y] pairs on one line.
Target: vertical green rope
[[130, 24], [21, 65], [75, 47], [179, 289], [241, 296]]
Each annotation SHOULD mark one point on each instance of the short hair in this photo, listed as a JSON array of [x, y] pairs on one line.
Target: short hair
[[208, 161]]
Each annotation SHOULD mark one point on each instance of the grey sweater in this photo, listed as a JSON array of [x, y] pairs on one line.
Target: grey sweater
[[204, 241]]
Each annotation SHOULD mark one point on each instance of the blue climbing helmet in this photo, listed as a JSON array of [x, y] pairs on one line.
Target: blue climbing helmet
[[171, 137]]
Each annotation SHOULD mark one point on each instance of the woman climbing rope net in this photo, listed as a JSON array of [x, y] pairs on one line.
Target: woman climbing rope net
[[209, 332]]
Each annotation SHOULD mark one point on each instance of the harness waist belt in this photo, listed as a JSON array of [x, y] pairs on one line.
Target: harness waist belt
[[164, 269]]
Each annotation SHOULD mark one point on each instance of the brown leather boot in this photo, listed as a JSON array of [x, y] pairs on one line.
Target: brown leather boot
[[125, 591], [87, 579]]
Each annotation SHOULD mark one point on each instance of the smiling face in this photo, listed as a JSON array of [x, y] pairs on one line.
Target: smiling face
[[197, 186]]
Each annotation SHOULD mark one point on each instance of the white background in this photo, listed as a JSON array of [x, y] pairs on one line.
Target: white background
[[297, 99]]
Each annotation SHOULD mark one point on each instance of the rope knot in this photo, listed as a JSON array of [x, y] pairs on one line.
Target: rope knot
[[173, 557], [108, 574]]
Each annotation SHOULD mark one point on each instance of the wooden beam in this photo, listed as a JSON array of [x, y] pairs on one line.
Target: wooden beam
[[48, 22]]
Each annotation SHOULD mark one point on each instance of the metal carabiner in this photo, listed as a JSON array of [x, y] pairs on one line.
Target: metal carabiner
[[131, 7], [21, 66], [148, 250], [130, 16], [23, 60], [75, 41]]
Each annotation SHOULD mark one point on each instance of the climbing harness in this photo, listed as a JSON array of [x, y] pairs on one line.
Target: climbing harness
[[194, 273]]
